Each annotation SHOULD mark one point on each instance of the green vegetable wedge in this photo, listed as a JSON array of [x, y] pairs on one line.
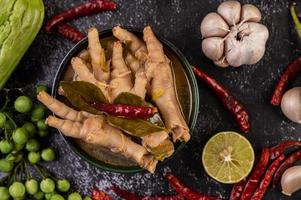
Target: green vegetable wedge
[[20, 21]]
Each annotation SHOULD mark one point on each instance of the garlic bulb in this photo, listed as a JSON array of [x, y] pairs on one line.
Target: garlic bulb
[[291, 104], [291, 180], [239, 29]]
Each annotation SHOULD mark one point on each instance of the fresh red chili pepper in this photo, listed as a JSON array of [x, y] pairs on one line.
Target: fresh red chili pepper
[[294, 157], [100, 195], [256, 175], [237, 190], [131, 196], [289, 74], [88, 8], [70, 33], [280, 148], [229, 101], [265, 182], [126, 111], [185, 191]]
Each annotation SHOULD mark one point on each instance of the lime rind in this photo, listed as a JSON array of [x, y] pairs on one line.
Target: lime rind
[[242, 157]]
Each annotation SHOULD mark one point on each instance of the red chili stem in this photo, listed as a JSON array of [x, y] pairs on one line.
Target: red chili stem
[[237, 190], [132, 196], [231, 103], [100, 195], [185, 191], [280, 148], [126, 111], [265, 182], [289, 75], [88, 8], [70, 33], [294, 157], [256, 175]]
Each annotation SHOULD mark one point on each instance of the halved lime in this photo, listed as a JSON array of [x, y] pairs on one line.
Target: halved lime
[[228, 157]]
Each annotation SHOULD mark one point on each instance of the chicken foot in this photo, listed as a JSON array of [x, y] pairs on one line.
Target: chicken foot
[[135, 45], [95, 130], [121, 82], [161, 87], [101, 67]]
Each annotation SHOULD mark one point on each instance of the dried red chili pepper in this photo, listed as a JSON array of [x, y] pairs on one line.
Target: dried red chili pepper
[[70, 33], [131, 196], [256, 175], [229, 101], [280, 148], [125, 194], [289, 74], [265, 182], [126, 111], [84, 9], [100, 195], [294, 157], [185, 191], [237, 190]]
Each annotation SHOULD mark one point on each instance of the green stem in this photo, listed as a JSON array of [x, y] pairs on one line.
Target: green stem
[[48, 174], [295, 18], [40, 171], [14, 173], [6, 134], [5, 104], [21, 171], [28, 174], [10, 119]]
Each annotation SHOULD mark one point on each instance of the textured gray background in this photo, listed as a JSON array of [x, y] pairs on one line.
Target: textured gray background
[[177, 21]]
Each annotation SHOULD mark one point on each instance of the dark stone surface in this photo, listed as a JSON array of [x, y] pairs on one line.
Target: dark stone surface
[[177, 21]]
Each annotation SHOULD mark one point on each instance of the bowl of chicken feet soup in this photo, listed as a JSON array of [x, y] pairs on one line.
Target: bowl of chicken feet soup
[[124, 100]]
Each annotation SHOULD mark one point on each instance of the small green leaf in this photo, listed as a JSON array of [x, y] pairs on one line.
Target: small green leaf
[[80, 92], [138, 128], [164, 150], [130, 99]]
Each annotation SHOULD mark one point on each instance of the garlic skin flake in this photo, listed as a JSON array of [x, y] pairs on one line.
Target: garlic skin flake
[[238, 27]]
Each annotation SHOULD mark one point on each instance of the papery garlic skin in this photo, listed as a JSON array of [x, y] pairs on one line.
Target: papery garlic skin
[[250, 13], [291, 180], [291, 104], [213, 47], [230, 11], [246, 49], [213, 25], [244, 40]]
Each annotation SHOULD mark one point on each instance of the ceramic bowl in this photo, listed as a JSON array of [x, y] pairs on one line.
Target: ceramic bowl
[[188, 95]]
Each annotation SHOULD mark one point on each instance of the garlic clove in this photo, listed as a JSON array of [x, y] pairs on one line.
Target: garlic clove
[[213, 25], [230, 11], [213, 47], [291, 104], [222, 62], [250, 13], [291, 180], [246, 45]]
